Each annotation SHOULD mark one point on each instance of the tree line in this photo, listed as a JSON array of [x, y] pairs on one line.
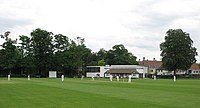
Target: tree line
[[44, 51]]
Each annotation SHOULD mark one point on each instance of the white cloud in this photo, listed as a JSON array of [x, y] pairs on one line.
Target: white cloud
[[138, 24]]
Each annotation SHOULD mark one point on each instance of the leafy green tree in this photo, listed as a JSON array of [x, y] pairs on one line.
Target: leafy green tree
[[80, 54], [73, 61], [95, 57], [177, 51], [26, 62], [101, 62], [61, 47], [9, 53], [61, 43], [92, 59], [101, 54], [120, 55], [42, 45]]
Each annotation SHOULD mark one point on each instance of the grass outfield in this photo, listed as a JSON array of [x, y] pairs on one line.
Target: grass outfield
[[100, 93]]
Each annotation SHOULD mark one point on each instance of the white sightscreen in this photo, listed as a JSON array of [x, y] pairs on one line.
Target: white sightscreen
[[52, 74]]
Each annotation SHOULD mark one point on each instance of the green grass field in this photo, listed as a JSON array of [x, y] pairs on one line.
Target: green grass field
[[100, 93]]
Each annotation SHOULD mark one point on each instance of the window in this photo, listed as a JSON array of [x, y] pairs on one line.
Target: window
[[93, 69]]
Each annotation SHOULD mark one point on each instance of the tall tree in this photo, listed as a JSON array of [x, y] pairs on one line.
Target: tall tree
[[96, 57], [92, 59], [101, 54], [26, 50], [61, 47], [77, 58], [61, 43], [9, 53], [41, 42], [177, 51], [120, 55]]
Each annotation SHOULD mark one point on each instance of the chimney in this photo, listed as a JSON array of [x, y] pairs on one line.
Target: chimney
[[143, 58]]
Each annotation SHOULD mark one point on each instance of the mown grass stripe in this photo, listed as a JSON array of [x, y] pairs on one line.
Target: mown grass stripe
[[73, 93]]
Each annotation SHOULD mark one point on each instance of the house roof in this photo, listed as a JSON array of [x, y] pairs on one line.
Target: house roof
[[151, 64], [128, 71], [126, 67], [158, 64], [195, 67]]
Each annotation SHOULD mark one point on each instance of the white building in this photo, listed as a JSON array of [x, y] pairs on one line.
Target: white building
[[96, 71], [116, 70], [135, 71]]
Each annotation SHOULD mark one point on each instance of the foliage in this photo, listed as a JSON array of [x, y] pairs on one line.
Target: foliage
[[177, 51], [9, 55], [61, 46], [101, 63], [61, 43], [41, 42], [76, 58], [43, 51], [102, 53], [120, 55], [26, 62]]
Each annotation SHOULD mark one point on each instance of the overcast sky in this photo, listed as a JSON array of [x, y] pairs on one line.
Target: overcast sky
[[140, 25]]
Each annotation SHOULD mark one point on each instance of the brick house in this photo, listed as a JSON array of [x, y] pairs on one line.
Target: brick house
[[155, 66]]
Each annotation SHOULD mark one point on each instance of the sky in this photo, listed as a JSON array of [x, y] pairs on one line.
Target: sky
[[140, 25]]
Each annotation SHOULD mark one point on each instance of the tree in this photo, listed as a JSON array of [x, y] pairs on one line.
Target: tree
[[177, 51], [95, 57], [119, 55], [77, 58], [101, 62], [61, 43], [92, 59], [101, 54], [9, 55], [42, 45], [61, 46], [26, 62]]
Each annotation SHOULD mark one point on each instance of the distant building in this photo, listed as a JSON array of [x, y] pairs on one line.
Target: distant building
[[155, 67], [116, 70], [194, 70], [135, 71], [146, 68], [152, 65], [96, 71]]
